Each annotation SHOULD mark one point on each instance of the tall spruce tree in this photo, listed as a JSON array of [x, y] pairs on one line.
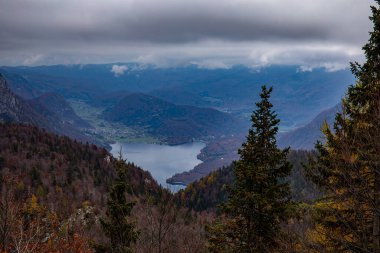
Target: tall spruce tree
[[259, 199], [117, 226], [347, 169]]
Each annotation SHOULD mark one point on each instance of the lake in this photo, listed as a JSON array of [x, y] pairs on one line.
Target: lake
[[162, 161]]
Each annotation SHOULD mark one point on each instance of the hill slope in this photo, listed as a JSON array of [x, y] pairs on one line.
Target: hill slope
[[15, 109], [47, 161], [211, 190], [39, 112], [54, 103], [175, 124], [54, 191], [305, 137]]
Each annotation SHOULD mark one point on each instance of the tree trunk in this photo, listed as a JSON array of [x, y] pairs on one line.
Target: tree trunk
[[376, 215]]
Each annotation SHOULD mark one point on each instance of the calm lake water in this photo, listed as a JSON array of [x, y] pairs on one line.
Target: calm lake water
[[162, 161]]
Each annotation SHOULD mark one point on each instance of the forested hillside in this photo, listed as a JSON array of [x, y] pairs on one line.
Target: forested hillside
[[47, 161], [54, 190], [55, 103], [169, 122], [212, 190]]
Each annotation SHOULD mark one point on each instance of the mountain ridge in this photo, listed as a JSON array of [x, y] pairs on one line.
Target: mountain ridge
[[298, 95], [57, 104], [305, 137], [14, 109]]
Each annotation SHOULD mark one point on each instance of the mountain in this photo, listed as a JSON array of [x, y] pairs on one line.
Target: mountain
[[305, 137], [298, 95], [174, 123], [52, 103], [20, 86], [14, 109]]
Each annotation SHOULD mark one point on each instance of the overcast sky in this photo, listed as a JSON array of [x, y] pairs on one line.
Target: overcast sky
[[209, 33]]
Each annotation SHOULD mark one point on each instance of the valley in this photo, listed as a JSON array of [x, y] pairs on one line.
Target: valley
[[110, 132], [175, 106]]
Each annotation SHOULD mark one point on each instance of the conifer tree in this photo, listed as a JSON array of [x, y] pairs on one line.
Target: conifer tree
[[117, 226], [259, 199], [347, 169]]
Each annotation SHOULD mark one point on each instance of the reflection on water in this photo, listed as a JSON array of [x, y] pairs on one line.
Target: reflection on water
[[161, 161]]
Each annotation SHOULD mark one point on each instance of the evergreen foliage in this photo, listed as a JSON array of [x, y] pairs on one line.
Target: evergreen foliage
[[347, 169], [117, 226], [260, 197], [211, 190]]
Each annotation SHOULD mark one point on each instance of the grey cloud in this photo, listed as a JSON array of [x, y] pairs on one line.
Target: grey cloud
[[33, 59], [197, 30], [185, 21]]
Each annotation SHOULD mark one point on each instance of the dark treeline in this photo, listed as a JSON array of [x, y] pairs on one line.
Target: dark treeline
[[208, 192]]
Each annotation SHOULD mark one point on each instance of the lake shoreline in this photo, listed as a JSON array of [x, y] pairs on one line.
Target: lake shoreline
[[161, 160]]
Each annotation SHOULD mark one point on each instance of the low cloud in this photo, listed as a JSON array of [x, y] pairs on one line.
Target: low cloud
[[118, 70], [211, 64], [33, 60]]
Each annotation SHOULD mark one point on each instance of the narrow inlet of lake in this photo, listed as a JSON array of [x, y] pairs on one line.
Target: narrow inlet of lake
[[162, 161]]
